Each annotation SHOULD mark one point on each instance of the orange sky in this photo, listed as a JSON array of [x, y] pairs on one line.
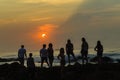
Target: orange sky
[[48, 29], [24, 21]]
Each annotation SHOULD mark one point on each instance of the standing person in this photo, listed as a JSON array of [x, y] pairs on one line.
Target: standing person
[[30, 61], [84, 50], [99, 49], [69, 50], [61, 56], [21, 54], [31, 67], [44, 55], [50, 54]]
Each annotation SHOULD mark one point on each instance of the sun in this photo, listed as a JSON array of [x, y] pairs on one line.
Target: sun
[[43, 35]]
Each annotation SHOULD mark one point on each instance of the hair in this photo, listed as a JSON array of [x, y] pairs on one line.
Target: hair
[[50, 45], [30, 54], [98, 42], [22, 46], [44, 45], [83, 39], [68, 40], [61, 50]]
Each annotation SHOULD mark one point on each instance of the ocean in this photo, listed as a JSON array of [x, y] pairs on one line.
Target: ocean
[[112, 53]]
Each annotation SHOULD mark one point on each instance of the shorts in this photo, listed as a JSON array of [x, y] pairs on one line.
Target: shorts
[[43, 59]]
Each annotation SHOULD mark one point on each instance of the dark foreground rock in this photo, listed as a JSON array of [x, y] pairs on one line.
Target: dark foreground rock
[[109, 71], [8, 59], [105, 59]]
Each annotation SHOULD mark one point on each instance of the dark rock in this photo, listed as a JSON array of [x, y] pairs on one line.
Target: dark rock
[[104, 59], [118, 60], [8, 59], [107, 71]]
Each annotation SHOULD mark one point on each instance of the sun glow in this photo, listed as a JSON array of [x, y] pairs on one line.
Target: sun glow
[[43, 35]]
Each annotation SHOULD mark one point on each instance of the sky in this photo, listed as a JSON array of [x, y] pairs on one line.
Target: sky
[[22, 22]]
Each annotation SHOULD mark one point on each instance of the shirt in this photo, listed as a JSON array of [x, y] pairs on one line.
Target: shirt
[[30, 63], [43, 53], [21, 52]]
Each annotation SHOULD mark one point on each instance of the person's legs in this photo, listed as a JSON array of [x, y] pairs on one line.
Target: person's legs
[[42, 61], [100, 59], [50, 62], [86, 58], [21, 60], [82, 58], [46, 61], [68, 58], [73, 56]]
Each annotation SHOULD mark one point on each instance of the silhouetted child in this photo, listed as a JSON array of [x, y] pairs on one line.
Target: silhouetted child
[[44, 55], [31, 66], [84, 50], [61, 57], [69, 50], [50, 54], [99, 49], [30, 61]]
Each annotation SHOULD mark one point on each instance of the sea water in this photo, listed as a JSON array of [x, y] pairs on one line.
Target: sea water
[[112, 53]]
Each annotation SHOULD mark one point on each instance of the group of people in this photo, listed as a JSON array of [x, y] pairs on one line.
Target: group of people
[[47, 54], [84, 51]]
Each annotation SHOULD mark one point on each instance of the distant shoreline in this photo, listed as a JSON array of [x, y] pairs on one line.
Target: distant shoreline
[[94, 59]]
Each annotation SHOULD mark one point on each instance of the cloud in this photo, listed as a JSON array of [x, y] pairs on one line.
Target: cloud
[[51, 1], [40, 19], [47, 27], [94, 19], [7, 21]]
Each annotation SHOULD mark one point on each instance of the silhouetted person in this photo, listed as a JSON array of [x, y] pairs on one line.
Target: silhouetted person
[[31, 67], [84, 50], [44, 55], [69, 50], [30, 61], [50, 54], [21, 54], [99, 49], [61, 56]]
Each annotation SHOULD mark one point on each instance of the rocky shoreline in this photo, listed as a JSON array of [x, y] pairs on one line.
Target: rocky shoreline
[[106, 71], [8, 59]]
